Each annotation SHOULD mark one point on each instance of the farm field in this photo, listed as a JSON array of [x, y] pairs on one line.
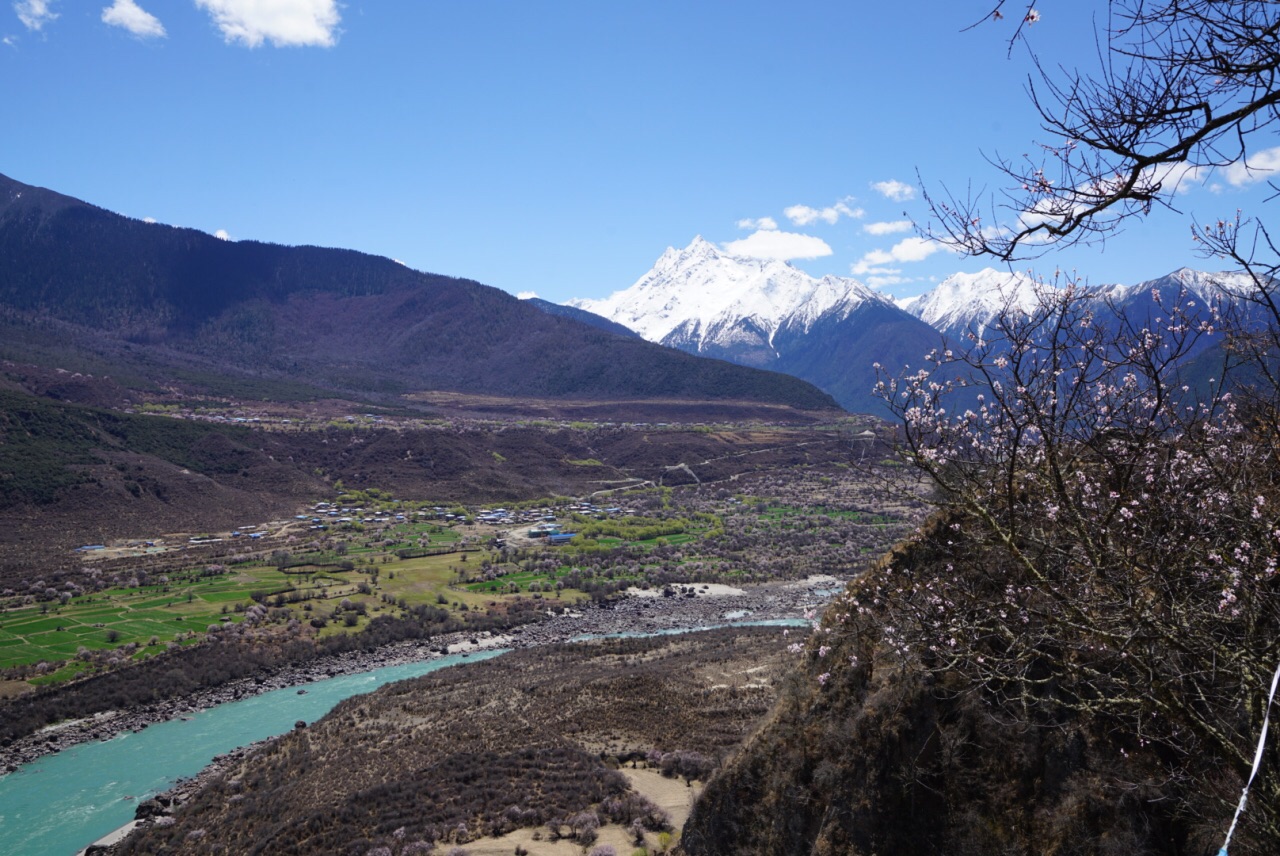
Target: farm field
[[184, 605], [369, 555]]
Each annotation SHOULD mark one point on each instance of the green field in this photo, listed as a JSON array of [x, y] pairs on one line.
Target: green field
[[150, 616], [341, 580]]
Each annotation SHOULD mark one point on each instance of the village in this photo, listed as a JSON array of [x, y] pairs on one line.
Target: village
[[502, 526], [340, 565]]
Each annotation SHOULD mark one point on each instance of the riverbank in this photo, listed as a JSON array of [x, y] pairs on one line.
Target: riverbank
[[688, 607], [535, 725]]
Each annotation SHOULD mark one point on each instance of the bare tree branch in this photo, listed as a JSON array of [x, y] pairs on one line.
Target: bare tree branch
[[1182, 87]]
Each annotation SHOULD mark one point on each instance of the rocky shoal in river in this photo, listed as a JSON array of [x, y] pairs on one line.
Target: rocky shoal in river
[[688, 607]]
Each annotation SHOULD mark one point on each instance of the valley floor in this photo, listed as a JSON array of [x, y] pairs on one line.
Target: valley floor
[[696, 607]]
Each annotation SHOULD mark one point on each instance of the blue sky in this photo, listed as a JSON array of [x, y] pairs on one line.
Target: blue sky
[[554, 147]]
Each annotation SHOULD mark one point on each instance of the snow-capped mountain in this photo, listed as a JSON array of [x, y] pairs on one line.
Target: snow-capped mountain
[[768, 314], [703, 300], [832, 331], [968, 302], [1210, 287]]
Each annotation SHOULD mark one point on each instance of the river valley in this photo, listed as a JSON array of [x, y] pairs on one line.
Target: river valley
[[59, 803]]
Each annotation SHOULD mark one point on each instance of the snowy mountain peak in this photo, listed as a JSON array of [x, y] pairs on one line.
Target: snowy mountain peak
[[702, 247], [966, 302], [970, 302], [1209, 286], [699, 250], [701, 293]]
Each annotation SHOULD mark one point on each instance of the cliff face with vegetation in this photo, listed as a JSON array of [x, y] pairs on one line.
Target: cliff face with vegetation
[[875, 751]]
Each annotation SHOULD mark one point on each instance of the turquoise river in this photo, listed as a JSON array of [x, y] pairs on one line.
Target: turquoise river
[[62, 803]]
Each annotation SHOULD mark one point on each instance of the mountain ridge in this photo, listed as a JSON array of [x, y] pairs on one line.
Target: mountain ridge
[[829, 331], [832, 331], [332, 318]]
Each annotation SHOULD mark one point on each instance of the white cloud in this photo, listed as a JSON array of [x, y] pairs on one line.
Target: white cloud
[[1172, 178], [11, 41], [893, 189], [1057, 207], [527, 295], [222, 234], [34, 14], [135, 19], [761, 223], [284, 23], [149, 220], [803, 215], [1184, 176], [872, 263], [1261, 166], [914, 249], [887, 227], [772, 244], [887, 280]]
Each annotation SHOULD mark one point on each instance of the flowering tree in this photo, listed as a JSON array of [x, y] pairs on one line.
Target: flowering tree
[[1110, 507], [1119, 533]]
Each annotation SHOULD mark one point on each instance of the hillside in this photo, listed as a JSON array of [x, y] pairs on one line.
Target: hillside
[[154, 299], [557, 741], [878, 746], [72, 475], [588, 318]]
